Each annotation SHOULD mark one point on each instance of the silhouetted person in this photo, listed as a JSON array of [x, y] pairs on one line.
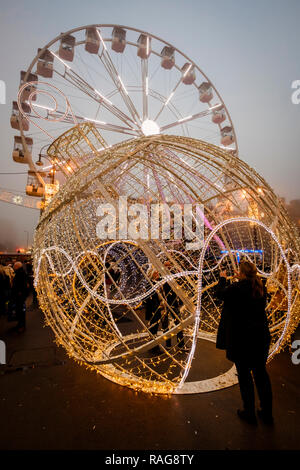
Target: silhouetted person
[[172, 307], [19, 293], [9, 272], [4, 290], [244, 334], [153, 310], [30, 279], [174, 302]]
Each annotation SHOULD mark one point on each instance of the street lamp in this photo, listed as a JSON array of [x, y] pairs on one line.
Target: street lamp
[[56, 166], [53, 167]]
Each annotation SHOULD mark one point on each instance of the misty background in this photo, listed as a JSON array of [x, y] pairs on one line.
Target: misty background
[[250, 51]]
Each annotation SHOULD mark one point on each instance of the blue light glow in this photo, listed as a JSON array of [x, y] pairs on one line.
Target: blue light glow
[[260, 252]]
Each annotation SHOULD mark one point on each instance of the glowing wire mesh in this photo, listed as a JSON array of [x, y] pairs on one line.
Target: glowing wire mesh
[[93, 292]]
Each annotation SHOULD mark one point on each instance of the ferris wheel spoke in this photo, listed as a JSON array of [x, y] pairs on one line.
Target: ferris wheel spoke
[[98, 97], [98, 124], [106, 125], [145, 86], [122, 90], [112, 71], [78, 82], [112, 127], [168, 99], [192, 117]]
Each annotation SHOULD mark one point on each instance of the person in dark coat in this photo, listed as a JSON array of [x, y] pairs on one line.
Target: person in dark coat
[[153, 310], [4, 290], [19, 293], [173, 301], [243, 332]]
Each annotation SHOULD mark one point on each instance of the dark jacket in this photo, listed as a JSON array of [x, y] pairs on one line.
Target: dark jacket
[[4, 285], [152, 304], [243, 329], [19, 290], [172, 299]]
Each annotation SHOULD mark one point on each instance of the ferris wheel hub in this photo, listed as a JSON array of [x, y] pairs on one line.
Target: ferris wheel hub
[[150, 127]]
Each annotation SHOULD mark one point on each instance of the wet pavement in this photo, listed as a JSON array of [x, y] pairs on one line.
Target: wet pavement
[[48, 401]]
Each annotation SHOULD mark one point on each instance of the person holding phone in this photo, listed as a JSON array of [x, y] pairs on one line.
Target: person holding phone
[[243, 332]]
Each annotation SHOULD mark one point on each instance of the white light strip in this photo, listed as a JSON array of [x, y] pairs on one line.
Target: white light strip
[[94, 120], [294, 267], [215, 106], [200, 271], [147, 86], [94, 294], [170, 97], [43, 107], [104, 45], [185, 119], [192, 116], [102, 149], [187, 70], [122, 84], [199, 295], [103, 97], [66, 65], [169, 277]]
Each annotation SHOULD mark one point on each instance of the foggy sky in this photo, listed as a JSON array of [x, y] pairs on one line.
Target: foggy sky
[[250, 51]]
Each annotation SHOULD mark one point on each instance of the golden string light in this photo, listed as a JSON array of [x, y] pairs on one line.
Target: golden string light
[[94, 292]]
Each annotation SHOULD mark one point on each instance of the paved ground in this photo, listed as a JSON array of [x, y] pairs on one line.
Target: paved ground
[[47, 401]]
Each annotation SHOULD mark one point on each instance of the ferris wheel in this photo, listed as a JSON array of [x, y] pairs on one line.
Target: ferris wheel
[[126, 82]]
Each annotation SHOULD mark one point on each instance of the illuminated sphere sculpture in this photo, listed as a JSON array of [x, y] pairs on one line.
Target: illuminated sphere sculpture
[[93, 290]]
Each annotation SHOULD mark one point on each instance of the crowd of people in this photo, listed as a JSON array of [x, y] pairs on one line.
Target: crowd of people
[[16, 282], [161, 306], [243, 328]]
